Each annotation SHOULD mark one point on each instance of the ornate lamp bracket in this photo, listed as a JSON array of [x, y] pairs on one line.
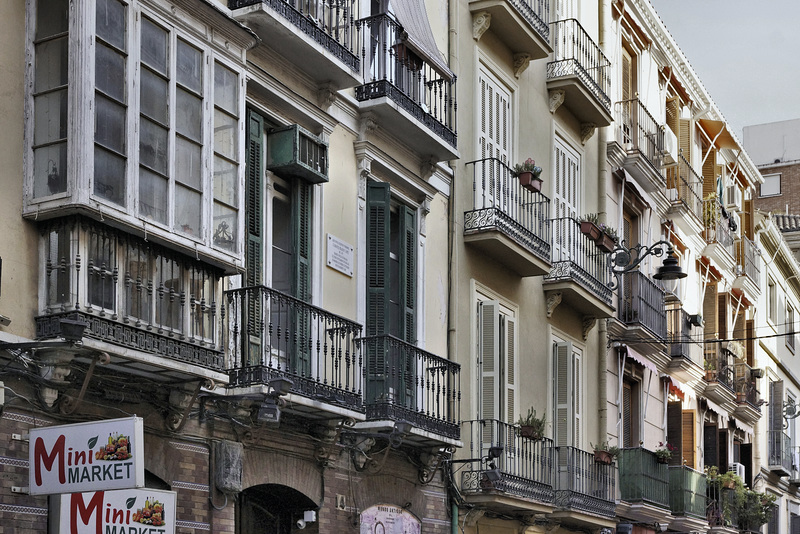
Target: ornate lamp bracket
[[624, 259]]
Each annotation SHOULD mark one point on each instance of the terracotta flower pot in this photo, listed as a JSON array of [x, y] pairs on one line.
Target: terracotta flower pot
[[590, 229], [605, 243], [528, 432], [603, 457], [662, 459], [530, 182]]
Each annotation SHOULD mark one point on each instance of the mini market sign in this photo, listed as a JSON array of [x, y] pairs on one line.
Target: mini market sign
[[133, 511], [102, 455]]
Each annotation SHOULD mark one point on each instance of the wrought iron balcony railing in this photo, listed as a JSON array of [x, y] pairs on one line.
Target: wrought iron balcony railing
[[391, 69], [274, 335], [779, 450], [687, 492], [501, 202], [642, 478], [720, 363], [685, 187], [716, 226], [746, 385], [537, 13], [641, 302], [526, 465], [577, 258], [637, 129], [582, 484], [330, 23], [679, 334], [576, 54], [721, 507], [747, 257], [403, 382]]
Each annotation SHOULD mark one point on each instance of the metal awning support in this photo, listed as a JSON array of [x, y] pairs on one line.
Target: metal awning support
[[68, 404]]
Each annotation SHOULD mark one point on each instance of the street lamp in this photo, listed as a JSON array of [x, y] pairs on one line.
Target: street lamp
[[624, 259]]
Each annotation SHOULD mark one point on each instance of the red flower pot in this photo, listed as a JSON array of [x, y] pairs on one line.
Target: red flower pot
[[605, 243], [529, 181], [590, 229]]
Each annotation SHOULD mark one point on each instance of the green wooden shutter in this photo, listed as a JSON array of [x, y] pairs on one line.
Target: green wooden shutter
[[301, 282], [378, 234], [252, 332], [408, 263]]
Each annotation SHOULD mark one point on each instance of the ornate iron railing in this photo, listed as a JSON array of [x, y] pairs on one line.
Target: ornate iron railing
[[393, 70], [720, 362], [642, 478], [716, 226], [330, 23], [576, 54], [641, 302], [577, 258], [582, 484], [747, 257], [687, 491], [403, 382], [274, 335], [501, 203], [779, 450], [679, 334], [537, 13], [721, 505], [526, 465], [637, 129], [746, 385], [685, 186]]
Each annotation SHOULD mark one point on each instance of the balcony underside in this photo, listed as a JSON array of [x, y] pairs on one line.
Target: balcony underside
[[720, 256], [427, 430], [644, 511], [500, 238], [574, 294], [303, 43], [643, 171], [722, 394], [747, 412], [684, 369], [140, 352], [406, 121], [511, 494], [583, 511], [688, 524], [512, 29], [683, 217], [749, 286], [578, 99]]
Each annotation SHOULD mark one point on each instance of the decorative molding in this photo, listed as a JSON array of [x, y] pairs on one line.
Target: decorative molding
[[326, 96], [15, 462], [367, 126], [192, 524], [191, 448], [553, 300], [588, 324], [480, 23], [587, 131], [27, 419], [30, 510], [556, 99], [521, 62], [190, 486]]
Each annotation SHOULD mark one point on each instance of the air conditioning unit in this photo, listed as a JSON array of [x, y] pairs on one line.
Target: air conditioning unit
[[294, 151], [737, 468], [733, 198], [670, 151]]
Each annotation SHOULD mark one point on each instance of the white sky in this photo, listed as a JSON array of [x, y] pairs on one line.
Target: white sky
[[747, 54]]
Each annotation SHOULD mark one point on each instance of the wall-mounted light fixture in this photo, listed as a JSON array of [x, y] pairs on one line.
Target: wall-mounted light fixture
[[269, 411], [625, 259]]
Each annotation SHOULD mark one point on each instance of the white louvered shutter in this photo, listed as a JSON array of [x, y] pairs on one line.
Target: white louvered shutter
[[510, 370], [576, 394], [565, 198], [563, 417], [494, 139]]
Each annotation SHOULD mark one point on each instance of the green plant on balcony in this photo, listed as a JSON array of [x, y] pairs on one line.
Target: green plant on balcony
[[530, 426], [605, 453], [664, 452], [608, 238], [529, 174], [711, 212], [589, 226], [753, 508]]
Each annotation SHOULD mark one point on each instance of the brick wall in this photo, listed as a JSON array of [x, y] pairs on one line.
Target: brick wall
[[790, 190]]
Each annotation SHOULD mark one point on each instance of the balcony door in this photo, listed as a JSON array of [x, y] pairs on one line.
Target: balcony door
[[566, 193], [494, 141]]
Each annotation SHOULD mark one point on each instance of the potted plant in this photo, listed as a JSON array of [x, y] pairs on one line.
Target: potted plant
[[605, 453], [730, 480], [664, 452], [528, 174], [711, 373], [608, 238], [530, 426], [711, 214], [589, 226]]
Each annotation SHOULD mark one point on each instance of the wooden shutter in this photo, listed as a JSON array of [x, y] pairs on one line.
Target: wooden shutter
[[494, 135], [747, 219], [378, 233], [563, 405], [254, 199], [576, 394], [685, 138], [746, 459], [510, 371], [627, 415], [489, 358], [722, 462], [776, 399], [673, 115], [750, 343], [408, 274], [722, 315], [675, 431], [710, 445], [688, 446], [710, 172], [710, 311], [301, 281], [627, 75]]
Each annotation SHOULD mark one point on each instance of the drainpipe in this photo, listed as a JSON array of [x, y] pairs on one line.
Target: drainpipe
[[452, 202]]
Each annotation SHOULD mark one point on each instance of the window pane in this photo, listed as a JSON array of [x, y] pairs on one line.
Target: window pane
[[771, 185], [154, 47], [154, 96], [224, 227], [225, 89], [109, 176], [153, 146], [102, 263], [225, 178], [187, 211], [50, 114], [281, 224], [50, 170], [109, 124], [190, 67], [189, 115], [110, 72], [188, 167], [152, 196], [110, 22], [225, 134], [52, 17], [138, 286], [51, 64]]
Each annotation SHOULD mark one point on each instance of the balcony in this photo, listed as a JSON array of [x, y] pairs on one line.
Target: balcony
[[644, 485], [526, 469], [642, 141], [717, 234], [580, 274], [684, 193], [685, 351], [687, 499], [315, 37], [273, 335], [794, 476], [522, 25], [719, 375], [404, 92], [579, 74], [508, 222], [585, 490], [748, 267], [640, 307], [747, 397], [779, 452], [721, 507], [153, 310], [405, 383]]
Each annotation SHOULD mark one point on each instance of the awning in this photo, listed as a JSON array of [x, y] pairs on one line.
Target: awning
[[714, 407], [719, 130], [747, 429], [412, 16], [673, 80], [641, 360], [687, 391]]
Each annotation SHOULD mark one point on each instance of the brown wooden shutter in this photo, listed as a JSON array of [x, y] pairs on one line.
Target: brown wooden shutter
[[675, 431], [710, 310], [750, 343], [747, 220], [710, 445], [685, 138], [627, 415], [722, 315], [723, 451], [688, 446], [673, 115], [710, 172]]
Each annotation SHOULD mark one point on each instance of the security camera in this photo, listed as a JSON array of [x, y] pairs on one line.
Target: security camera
[[301, 524]]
